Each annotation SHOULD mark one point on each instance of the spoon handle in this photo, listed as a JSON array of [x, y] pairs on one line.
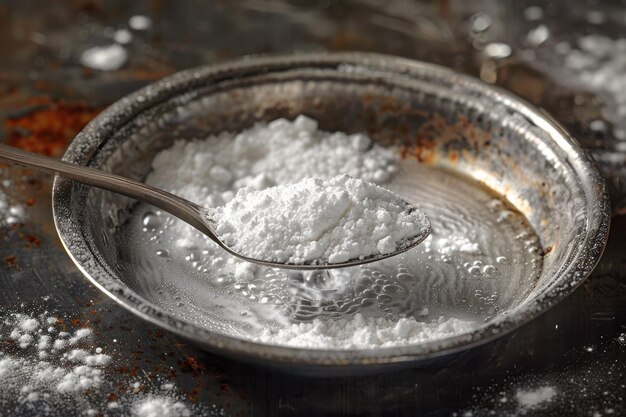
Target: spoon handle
[[179, 207]]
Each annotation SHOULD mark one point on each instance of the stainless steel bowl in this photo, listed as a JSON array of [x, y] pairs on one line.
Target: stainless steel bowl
[[442, 120]]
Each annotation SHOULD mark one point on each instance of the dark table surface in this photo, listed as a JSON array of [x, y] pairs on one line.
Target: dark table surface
[[578, 348]]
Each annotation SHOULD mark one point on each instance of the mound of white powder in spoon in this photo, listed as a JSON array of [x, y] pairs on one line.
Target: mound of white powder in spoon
[[317, 220], [209, 171]]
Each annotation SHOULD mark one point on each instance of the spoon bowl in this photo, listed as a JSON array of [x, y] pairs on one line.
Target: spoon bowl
[[316, 264]]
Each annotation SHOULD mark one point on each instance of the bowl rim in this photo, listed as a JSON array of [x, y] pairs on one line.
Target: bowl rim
[[119, 113]]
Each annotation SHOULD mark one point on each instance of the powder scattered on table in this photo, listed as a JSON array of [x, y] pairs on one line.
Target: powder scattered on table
[[318, 220], [105, 58], [161, 407], [52, 372], [595, 63], [38, 367], [536, 397]]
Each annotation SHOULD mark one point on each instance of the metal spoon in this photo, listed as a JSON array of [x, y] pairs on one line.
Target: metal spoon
[[185, 210]]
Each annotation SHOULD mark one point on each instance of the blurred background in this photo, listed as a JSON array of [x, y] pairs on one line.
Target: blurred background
[[62, 63]]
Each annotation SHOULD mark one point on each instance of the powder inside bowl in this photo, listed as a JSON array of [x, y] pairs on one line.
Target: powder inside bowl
[[318, 221], [360, 332], [463, 274]]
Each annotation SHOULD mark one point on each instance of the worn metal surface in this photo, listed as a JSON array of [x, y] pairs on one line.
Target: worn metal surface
[[46, 97]]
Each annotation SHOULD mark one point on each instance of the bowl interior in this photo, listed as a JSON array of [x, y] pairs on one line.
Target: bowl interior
[[482, 165]]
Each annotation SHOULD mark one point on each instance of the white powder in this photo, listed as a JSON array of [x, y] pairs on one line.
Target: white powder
[[7, 366], [533, 13], [42, 379], [161, 407], [11, 212], [80, 378], [318, 220], [80, 334], [97, 360], [536, 397], [36, 372], [81, 355], [44, 342], [140, 22], [538, 35], [122, 36], [457, 244], [104, 58], [362, 332], [77, 355], [599, 64], [59, 344], [25, 340], [29, 325]]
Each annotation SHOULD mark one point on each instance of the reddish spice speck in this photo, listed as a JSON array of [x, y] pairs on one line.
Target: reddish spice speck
[[9, 342], [149, 75], [547, 250], [79, 323], [33, 240], [48, 130], [42, 85], [224, 389], [121, 387], [128, 371], [37, 101], [191, 365], [193, 397], [31, 201], [111, 397], [11, 261]]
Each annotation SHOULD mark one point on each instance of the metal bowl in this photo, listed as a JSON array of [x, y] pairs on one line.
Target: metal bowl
[[441, 119]]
